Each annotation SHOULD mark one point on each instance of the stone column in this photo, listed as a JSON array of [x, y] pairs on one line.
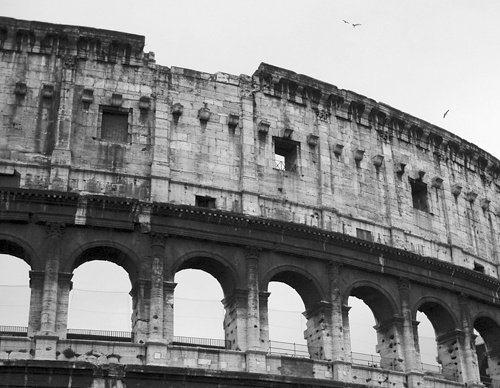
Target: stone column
[[46, 338], [410, 355], [347, 333], [235, 320], [264, 320], [168, 312], [36, 301], [494, 366], [253, 320], [337, 324], [471, 376], [61, 155], [451, 355], [391, 344], [156, 303], [318, 332], [140, 302], [65, 286]]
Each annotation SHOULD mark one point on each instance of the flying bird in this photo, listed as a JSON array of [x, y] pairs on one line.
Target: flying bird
[[355, 25], [445, 113], [345, 21]]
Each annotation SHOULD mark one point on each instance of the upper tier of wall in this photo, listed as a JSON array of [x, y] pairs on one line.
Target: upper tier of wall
[[273, 145]]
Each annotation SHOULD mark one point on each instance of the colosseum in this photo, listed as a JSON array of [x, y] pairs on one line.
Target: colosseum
[[277, 176]]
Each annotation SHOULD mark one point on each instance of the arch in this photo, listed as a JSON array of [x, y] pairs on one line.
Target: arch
[[14, 246], [440, 315], [212, 263], [300, 280], [489, 330], [380, 302], [107, 251]]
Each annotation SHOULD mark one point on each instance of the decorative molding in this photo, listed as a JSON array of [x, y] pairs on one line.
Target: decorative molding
[[158, 239], [437, 182], [116, 100], [55, 229], [312, 140], [264, 127]]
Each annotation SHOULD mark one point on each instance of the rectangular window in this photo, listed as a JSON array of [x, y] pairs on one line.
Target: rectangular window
[[207, 202], [364, 234], [419, 195], [285, 154], [114, 125]]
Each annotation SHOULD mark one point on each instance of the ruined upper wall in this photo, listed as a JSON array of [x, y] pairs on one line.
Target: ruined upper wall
[[327, 100], [85, 42], [86, 111]]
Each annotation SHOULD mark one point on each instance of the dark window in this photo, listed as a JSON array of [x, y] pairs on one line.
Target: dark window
[[10, 180], [478, 267], [419, 195], [285, 154], [207, 202], [364, 234], [114, 126]]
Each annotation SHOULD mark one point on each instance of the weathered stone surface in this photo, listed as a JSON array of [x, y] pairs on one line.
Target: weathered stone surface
[[269, 177]]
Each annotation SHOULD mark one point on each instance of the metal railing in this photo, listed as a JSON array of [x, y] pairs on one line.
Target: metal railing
[[14, 331], [280, 165], [370, 360], [202, 342], [103, 335], [288, 349]]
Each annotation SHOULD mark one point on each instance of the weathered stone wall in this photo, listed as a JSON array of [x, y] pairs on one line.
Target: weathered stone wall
[[353, 158]]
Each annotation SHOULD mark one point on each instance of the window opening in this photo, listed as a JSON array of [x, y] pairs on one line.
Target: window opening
[[478, 267], [100, 297], [206, 201], [287, 323], [419, 195], [285, 154], [198, 310], [14, 292], [114, 125], [363, 335], [427, 343], [364, 234]]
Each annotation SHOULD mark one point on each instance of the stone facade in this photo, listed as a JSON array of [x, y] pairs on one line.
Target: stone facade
[[269, 177]]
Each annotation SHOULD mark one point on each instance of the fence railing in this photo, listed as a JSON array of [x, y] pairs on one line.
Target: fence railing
[[18, 331], [288, 349], [202, 342]]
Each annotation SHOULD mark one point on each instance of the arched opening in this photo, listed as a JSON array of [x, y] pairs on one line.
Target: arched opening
[[14, 295], [198, 309], [100, 306], [99, 299], [427, 344], [217, 282], [362, 332], [387, 326], [287, 322], [304, 295], [488, 350], [447, 340]]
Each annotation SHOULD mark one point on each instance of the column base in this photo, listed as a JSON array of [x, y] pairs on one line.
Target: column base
[[256, 361], [46, 347], [156, 353]]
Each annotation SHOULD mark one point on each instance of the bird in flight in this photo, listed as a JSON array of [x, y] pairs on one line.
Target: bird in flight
[[445, 113], [345, 21], [355, 25]]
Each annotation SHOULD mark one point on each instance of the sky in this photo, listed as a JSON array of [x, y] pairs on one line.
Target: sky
[[423, 57]]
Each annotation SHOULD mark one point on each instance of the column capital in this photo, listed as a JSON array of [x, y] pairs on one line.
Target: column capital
[[55, 229], [252, 252], [403, 284], [158, 239]]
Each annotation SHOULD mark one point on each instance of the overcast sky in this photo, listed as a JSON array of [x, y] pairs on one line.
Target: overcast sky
[[422, 57]]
